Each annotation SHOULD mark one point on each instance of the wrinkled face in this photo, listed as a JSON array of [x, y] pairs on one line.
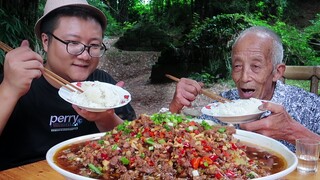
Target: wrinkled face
[[72, 67], [252, 67]]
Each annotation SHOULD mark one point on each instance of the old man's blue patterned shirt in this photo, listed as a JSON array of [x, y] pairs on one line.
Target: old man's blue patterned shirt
[[302, 106]]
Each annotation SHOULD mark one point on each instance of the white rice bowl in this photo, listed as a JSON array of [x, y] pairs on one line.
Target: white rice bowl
[[235, 112], [96, 95], [237, 107]]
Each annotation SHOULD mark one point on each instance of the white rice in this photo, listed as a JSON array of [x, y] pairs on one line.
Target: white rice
[[237, 107], [96, 95]]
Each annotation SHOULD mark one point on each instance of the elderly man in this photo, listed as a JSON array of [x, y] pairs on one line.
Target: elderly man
[[256, 69]]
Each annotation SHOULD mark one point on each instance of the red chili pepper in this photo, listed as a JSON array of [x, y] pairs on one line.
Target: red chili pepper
[[194, 153], [203, 142], [218, 175], [93, 145], [230, 173], [104, 156], [162, 135], [133, 133], [213, 157], [150, 163], [192, 123], [182, 152], [186, 145], [195, 162], [226, 154], [132, 160], [234, 146], [207, 148], [78, 84], [116, 137]]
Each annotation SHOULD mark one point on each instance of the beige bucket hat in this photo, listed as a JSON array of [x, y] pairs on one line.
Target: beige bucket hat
[[55, 4]]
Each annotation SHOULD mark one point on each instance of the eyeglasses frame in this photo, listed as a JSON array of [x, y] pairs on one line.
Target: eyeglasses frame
[[85, 46]]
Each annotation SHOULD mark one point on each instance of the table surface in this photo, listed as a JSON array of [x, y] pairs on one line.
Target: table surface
[[41, 170]]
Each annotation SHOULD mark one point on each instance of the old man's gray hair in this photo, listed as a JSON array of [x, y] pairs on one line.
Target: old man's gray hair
[[276, 49]]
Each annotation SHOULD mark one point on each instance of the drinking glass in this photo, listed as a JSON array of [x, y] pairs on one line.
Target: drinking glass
[[307, 151]]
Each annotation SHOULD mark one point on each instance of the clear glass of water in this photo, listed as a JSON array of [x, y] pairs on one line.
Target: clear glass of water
[[307, 151]]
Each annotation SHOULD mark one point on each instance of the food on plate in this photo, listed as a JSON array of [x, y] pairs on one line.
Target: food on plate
[[96, 95], [168, 146], [236, 107]]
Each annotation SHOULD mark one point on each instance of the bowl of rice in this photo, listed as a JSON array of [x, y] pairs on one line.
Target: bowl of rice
[[236, 111], [97, 96]]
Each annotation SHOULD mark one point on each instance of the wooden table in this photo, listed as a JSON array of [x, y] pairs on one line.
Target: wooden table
[[42, 171]]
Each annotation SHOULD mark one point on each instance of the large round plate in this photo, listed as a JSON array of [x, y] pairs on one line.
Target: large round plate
[[231, 119], [252, 138], [124, 97]]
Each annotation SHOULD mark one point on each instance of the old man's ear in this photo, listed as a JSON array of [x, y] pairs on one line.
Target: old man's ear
[[279, 72]]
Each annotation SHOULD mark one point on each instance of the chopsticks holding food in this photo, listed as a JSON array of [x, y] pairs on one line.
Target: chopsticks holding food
[[49, 73], [204, 91]]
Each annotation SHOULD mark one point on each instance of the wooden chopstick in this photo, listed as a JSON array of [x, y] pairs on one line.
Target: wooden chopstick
[[5, 47], [204, 91], [48, 73], [61, 81]]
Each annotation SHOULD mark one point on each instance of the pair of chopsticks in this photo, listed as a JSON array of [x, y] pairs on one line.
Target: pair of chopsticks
[[56, 78], [204, 91]]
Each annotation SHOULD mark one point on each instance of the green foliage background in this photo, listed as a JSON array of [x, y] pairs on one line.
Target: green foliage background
[[196, 31]]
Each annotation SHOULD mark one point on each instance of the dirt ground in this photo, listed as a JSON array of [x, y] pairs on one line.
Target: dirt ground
[[134, 68]]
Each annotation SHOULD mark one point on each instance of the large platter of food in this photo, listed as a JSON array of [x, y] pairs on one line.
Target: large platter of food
[[236, 111], [171, 146], [97, 96]]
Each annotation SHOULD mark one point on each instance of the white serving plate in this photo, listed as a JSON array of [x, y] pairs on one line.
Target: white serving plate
[[124, 95], [244, 136]]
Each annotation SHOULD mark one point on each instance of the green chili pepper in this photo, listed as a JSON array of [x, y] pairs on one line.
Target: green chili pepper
[[114, 147], [124, 160], [94, 169], [222, 130], [150, 141]]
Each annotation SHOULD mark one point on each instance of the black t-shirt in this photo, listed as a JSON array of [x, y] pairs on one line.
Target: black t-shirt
[[42, 119]]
